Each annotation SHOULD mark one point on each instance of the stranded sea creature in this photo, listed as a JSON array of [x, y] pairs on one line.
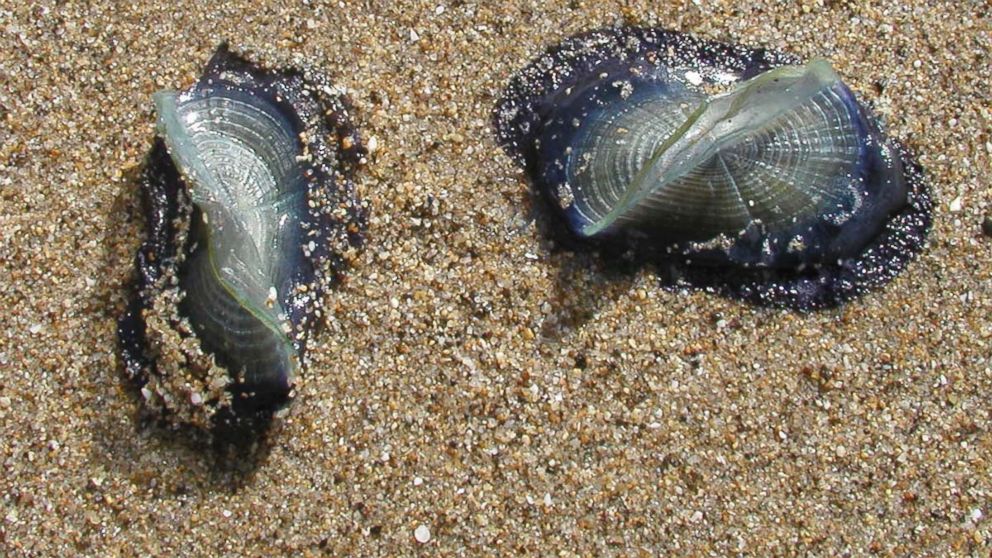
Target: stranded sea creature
[[250, 210], [748, 170]]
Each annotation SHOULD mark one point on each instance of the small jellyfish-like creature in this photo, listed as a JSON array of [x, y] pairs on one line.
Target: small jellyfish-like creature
[[747, 170], [249, 210]]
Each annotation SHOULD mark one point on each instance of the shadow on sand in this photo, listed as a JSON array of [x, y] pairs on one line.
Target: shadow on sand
[[222, 459]]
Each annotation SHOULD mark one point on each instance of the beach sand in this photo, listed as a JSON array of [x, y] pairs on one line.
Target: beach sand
[[475, 387]]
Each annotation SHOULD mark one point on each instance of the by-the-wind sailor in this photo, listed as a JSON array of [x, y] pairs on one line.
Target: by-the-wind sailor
[[250, 212], [746, 169]]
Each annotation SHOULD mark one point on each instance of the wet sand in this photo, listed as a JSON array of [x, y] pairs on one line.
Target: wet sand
[[475, 386]]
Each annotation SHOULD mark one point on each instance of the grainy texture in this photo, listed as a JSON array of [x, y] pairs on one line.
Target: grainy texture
[[477, 391]]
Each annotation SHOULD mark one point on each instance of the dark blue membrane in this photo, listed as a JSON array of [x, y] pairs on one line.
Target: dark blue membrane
[[877, 178], [863, 253]]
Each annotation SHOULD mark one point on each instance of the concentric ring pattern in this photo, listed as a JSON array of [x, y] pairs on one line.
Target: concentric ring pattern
[[672, 160], [238, 156]]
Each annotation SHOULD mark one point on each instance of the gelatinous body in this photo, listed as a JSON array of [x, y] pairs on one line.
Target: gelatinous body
[[760, 175], [249, 209]]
